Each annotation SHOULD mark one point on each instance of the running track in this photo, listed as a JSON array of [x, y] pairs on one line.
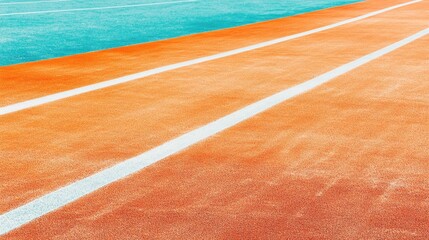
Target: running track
[[346, 160]]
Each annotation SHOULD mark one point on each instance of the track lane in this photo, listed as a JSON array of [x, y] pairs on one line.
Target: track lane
[[27, 81], [64, 150], [138, 76], [346, 161]]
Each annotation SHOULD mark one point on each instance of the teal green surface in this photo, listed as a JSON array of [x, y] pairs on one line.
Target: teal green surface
[[28, 32]]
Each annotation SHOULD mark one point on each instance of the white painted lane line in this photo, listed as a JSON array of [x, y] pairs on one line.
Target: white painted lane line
[[97, 86], [65, 195], [16, 3], [96, 8]]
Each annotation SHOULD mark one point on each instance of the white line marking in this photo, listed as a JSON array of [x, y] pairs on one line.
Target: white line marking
[[96, 8], [65, 195], [15, 3], [97, 86]]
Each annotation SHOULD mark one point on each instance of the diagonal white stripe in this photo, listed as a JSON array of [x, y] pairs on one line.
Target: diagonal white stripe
[[16, 3], [65, 195], [97, 86], [95, 8]]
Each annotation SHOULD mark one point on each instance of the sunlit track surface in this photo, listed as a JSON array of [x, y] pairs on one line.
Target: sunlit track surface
[[137, 76], [347, 160], [36, 30]]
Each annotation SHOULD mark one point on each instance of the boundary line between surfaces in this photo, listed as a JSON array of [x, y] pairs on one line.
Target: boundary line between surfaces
[[57, 199], [15, 107]]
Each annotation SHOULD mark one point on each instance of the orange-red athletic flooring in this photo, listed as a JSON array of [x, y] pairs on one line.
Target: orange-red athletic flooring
[[348, 160]]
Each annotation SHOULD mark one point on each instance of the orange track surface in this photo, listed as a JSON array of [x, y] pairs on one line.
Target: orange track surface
[[30, 80], [348, 160]]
